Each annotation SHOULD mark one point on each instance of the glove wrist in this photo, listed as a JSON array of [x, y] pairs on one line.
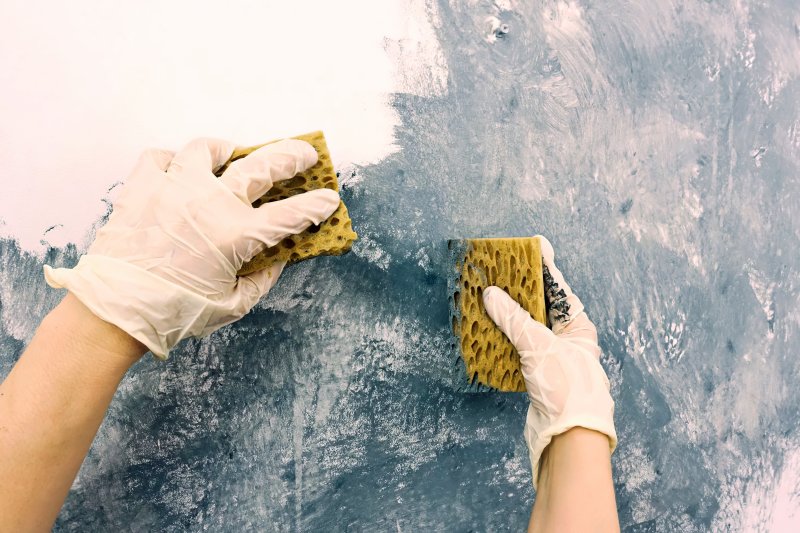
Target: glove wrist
[[134, 300], [591, 407], [540, 432]]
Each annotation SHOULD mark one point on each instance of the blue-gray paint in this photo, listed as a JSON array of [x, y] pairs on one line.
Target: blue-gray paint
[[655, 143]]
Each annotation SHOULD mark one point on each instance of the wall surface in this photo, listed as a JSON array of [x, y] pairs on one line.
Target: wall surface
[[656, 143]]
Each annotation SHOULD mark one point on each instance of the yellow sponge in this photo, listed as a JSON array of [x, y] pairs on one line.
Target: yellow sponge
[[515, 265], [333, 236]]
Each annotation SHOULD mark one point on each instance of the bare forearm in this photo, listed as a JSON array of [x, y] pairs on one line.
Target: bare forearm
[[51, 405], [576, 492]]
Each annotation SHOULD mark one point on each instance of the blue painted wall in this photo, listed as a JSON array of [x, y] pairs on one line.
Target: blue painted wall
[[657, 144]]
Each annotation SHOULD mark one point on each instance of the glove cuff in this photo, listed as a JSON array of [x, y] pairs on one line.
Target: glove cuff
[[134, 300], [538, 441]]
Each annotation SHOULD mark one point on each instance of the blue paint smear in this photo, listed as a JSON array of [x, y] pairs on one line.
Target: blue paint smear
[[656, 146]]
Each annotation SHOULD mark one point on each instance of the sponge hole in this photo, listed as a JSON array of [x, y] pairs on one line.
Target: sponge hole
[[294, 182], [505, 382]]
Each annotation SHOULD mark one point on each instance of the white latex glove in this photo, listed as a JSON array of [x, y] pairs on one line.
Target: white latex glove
[[164, 266], [566, 385]]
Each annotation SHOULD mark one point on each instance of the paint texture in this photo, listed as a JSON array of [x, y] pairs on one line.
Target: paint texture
[[657, 145]]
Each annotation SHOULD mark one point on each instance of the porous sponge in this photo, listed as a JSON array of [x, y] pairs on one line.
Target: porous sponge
[[514, 265], [334, 236]]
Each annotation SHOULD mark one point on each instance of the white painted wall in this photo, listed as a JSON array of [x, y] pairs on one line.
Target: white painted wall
[[85, 86]]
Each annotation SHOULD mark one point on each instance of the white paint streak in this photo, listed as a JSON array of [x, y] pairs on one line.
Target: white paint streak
[[763, 291], [785, 509], [418, 60], [768, 502], [639, 475], [571, 42], [370, 250]]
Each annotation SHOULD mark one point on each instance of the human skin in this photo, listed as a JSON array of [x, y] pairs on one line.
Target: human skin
[[51, 405], [576, 491]]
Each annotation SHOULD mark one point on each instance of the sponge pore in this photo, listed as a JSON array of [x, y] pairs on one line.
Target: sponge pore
[[514, 265], [333, 236]]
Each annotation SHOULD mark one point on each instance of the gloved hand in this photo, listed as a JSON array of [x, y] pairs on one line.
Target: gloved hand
[[566, 385], [164, 266]]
